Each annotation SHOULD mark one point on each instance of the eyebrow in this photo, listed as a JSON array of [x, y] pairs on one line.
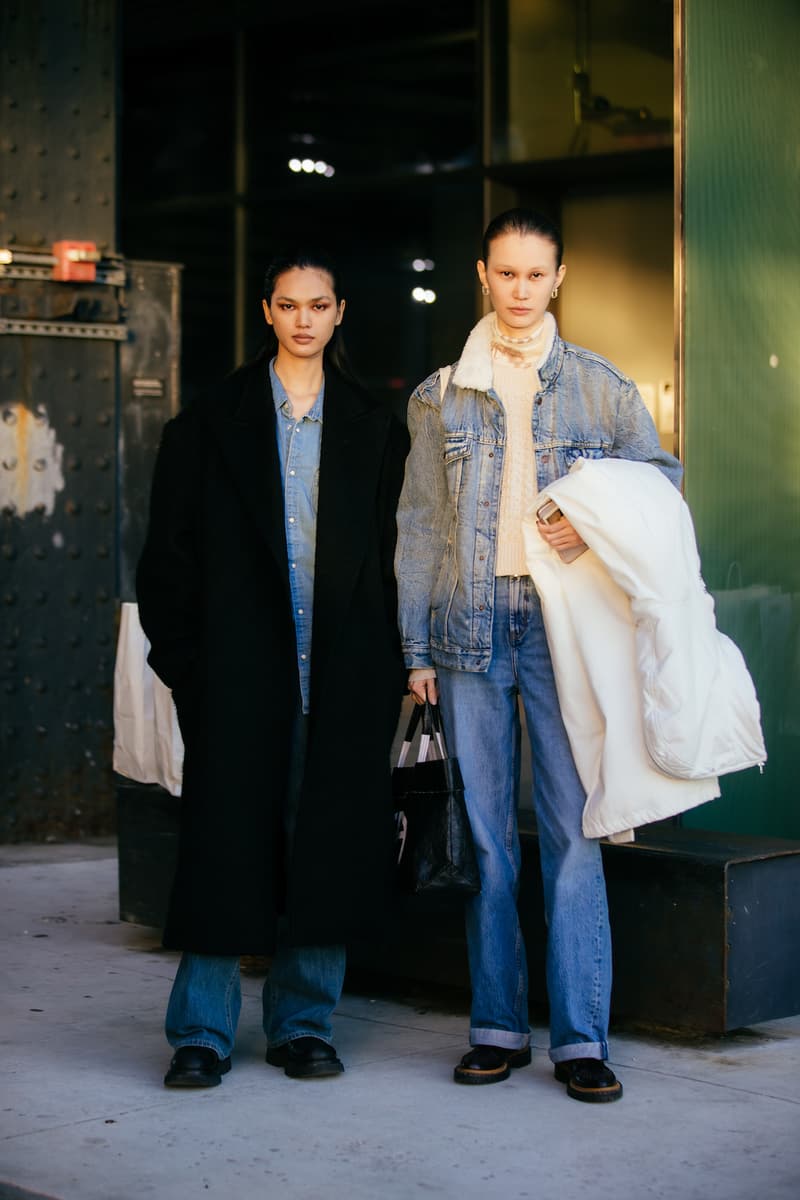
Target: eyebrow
[[315, 300], [510, 267]]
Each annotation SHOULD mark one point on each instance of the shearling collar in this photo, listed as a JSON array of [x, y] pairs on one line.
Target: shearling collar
[[474, 368]]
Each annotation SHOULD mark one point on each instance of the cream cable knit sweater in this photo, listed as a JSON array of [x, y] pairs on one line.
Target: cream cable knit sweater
[[516, 381]]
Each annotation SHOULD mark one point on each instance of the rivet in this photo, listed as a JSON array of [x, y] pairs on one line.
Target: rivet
[[104, 419], [103, 507], [74, 597], [74, 419], [41, 730], [9, 553], [41, 597], [9, 416], [72, 508], [40, 464], [103, 462], [102, 551], [74, 551], [10, 464], [39, 552], [73, 463]]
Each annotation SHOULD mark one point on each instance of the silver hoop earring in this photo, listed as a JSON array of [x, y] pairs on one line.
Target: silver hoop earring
[[554, 293], [485, 290]]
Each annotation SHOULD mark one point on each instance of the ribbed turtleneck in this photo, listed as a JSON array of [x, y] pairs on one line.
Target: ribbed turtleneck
[[515, 377]]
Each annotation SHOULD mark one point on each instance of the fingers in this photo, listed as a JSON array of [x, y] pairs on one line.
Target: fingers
[[561, 535], [424, 689]]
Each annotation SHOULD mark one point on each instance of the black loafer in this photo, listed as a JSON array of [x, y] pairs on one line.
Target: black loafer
[[196, 1066], [589, 1079], [305, 1058], [490, 1064]]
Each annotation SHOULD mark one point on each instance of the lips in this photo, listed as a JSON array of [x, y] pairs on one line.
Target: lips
[[304, 338]]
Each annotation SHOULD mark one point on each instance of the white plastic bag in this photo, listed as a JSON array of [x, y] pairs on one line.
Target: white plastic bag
[[148, 746]]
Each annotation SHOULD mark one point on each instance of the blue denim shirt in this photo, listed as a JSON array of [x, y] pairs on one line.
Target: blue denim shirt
[[299, 448], [448, 512]]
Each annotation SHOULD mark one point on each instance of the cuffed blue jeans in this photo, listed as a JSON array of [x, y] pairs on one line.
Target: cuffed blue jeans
[[302, 989], [481, 719], [303, 984]]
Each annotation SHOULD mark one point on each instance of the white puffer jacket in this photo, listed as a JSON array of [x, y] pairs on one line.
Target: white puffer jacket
[[657, 702]]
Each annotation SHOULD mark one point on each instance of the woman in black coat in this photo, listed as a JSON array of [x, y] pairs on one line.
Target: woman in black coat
[[267, 591]]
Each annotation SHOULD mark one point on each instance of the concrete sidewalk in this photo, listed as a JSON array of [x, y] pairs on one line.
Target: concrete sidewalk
[[84, 1115]]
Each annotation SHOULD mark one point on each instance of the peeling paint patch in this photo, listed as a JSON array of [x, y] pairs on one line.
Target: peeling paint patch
[[30, 461]]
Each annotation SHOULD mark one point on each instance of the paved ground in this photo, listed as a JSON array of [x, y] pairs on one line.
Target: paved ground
[[83, 1115]]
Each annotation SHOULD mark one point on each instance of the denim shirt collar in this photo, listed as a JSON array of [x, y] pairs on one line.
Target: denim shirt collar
[[280, 397]]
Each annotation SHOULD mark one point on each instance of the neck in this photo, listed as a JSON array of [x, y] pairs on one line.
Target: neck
[[301, 378]]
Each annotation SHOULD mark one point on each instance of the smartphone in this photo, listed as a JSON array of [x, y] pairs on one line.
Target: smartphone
[[548, 514]]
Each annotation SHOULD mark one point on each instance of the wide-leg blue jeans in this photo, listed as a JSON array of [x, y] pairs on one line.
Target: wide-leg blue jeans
[[481, 719], [302, 989], [303, 984]]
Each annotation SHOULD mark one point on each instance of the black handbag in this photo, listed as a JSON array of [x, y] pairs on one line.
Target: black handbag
[[436, 852]]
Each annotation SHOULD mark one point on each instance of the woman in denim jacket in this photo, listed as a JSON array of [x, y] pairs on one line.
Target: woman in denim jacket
[[519, 407]]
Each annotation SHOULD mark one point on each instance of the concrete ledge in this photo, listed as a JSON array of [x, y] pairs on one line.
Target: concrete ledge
[[705, 925]]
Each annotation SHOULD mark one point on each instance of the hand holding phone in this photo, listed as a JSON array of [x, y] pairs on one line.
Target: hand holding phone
[[548, 514]]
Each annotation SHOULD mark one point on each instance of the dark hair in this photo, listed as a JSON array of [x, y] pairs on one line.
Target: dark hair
[[300, 258], [523, 221]]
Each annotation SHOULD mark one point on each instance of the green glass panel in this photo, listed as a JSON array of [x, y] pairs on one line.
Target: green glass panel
[[742, 369]]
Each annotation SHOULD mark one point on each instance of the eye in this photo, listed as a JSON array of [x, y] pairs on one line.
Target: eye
[[285, 307], [537, 274], [507, 274], [321, 307]]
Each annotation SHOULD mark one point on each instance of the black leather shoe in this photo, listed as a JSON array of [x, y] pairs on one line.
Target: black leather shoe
[[196, 1066], [490, 1064], [589, 1079], [305, 1058]]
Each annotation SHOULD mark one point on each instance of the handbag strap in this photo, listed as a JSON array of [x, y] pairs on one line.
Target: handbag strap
[[432, 735]]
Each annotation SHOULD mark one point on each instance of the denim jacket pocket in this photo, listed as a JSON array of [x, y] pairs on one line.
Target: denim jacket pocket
[[457, 450]]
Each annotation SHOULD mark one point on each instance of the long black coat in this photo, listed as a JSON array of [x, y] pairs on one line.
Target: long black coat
[[214, 601]]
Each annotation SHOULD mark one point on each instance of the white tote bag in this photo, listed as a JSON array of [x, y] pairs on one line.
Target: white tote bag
[[147, 739]]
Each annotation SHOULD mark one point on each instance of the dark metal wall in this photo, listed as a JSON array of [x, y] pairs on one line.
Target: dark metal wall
[[86, 369]]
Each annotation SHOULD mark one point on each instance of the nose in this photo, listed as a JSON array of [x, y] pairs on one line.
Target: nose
[[303, 318], [521, 288]]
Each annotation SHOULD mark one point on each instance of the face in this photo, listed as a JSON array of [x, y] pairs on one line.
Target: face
[[303, 311], [520, 274]]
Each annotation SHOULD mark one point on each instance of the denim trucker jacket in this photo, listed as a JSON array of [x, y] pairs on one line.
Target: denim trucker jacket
[[448, 510]]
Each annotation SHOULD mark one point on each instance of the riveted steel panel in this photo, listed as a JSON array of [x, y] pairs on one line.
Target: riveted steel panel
[[57, 592], [149, 396], [58, 68]]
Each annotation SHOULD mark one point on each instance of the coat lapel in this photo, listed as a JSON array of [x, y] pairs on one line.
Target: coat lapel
[[245, 432], [353, 443]]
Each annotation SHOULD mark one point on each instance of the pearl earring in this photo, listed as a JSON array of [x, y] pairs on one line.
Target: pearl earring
[[485, 290], [554, 293]]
